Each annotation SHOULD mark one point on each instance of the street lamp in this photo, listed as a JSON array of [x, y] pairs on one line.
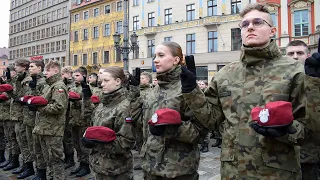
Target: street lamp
[[126, 48]]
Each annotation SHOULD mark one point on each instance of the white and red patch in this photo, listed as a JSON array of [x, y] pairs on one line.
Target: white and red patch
[[60, 90], [128, 119]]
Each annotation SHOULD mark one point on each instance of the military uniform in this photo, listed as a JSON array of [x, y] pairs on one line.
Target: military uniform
[[113, 160], [262, 75], [4, 117], [50, 123], [175, 154]]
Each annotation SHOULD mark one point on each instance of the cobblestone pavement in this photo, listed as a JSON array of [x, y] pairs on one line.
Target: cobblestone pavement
[[209, 168]]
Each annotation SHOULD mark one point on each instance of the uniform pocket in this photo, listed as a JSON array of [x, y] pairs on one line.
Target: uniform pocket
[[227, 155]]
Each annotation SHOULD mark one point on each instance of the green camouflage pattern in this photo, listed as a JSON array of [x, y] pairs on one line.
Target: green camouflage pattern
[[50, 119], [262, 75], [67, 138], [76, 118], [5, 109], [114, 158], [144, 90], [12, 144], [175, 153], [98, 91]]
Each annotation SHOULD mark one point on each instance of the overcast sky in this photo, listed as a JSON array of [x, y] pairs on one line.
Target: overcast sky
[[4, 22]]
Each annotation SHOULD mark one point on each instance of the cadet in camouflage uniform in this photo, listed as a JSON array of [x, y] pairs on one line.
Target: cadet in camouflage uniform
[[113, 160], [68, 145], [12, 144], [19, 84], [4, 115], [79, 124], [170, 152], [93, 80], [50, 121], [309, 152], [260, 76]]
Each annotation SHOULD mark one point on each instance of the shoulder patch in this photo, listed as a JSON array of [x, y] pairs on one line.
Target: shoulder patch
[[60, 90], [128, 119]]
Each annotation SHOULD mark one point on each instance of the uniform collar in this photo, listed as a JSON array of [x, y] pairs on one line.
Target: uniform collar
[[53, 79], [114, 96], [169, 77], [253, 55]]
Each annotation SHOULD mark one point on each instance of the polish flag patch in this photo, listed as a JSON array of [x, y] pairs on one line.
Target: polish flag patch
[[60, 90], [128, 119]]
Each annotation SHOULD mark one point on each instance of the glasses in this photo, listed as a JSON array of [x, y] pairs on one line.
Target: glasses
[[256, 22]]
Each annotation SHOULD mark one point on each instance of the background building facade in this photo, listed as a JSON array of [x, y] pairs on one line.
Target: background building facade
[[92, 25], [39, 30], [4, 53], [209, 29]]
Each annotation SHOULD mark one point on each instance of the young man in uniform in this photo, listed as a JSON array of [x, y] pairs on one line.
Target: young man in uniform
[[255, 146], [298, 50]]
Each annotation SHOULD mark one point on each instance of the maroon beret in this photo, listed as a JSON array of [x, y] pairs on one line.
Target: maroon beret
[[95, 99], [38, 100], [25, 99], [74, 95], [100, 133], [4, 97], [165, 116], [278, 113], [5, 88]]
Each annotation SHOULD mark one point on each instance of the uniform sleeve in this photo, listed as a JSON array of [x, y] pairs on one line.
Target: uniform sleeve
[[87, 108], [58, 102], [206, 106], [40, 86], [17, 87], [312, 90]]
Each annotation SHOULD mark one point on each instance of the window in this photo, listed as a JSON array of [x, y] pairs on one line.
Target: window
[[79, 2], [235, 6], [53, 31], [107, 9], [76, 36], [42, 48], [54, 16], [48, 17], [301, 23], [191, 12], [95, 58], [75, 60], [64, 45], [76, 17], [59, 29], [58, 45], [47, 47], [168, 39], [59, 13], [119, 6], [119, 27], [43, 33], [85, 34], [191, 43], [3, 63], [212, 41], [168, 16], [150, 1], [151, 47], [118, 56], [202, 73], [52, 46], [106, 57], [95, 32], [38, 49], [151, 18], [48, 32], [135, 2], [135, 23], [220, 66], [107, 29], [84, 59], [212, 7], [95, 12], [86, 15], [236, 41], [33, 50]]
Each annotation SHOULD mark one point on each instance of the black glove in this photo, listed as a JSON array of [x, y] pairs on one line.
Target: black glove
[[1, 81], [32, 107], [188, 80], [274, 132], [33, 83], [88, 143], [1, 100], [157, 130], [8, 74], [312, 65], [86, 91], [135, 80], [21, 76], [65, 81]]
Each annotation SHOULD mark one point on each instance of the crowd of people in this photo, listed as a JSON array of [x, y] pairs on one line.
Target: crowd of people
[[265, 108]]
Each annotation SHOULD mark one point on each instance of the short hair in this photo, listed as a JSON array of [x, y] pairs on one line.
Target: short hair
[[256, 6], [82, 70], [148, 75], [23, 63], [11, 68], [117, 72], [67, 69], [38, 63], [298, 43], [94, 74], [53, 64]]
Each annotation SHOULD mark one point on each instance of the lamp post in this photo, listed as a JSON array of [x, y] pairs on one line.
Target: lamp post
[[126, 48]]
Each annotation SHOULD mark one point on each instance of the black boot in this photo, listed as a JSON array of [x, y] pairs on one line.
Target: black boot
[[69, 162], [75, 171], [13, 164], [28, 171], [41, 175], [4, 164], [201, 147], [20, 169], [205, 147], [84, 171], [2, 157]]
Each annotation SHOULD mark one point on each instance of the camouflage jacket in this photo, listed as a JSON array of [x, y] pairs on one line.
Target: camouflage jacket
[[76, 107], [18, 92], [98, 92], [144, 90], [262, 75], [50, 119], [175, 153], [113, 158], [29, 116], [5, 109]]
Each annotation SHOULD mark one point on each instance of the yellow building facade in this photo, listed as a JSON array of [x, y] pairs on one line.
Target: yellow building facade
[[92, 25]]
